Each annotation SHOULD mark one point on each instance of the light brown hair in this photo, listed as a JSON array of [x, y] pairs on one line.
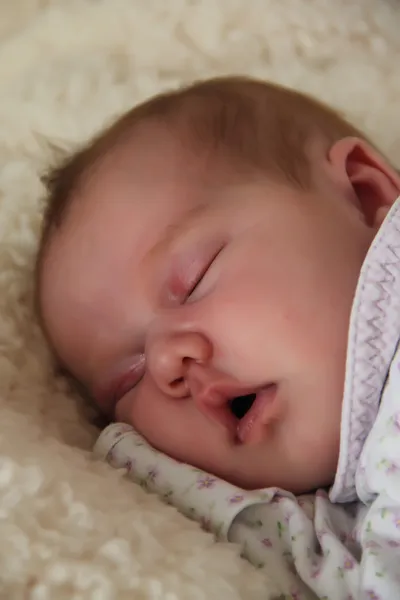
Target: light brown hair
[[251, 123]]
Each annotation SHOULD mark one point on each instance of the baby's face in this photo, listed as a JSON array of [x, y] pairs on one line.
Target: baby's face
[[169, 293]]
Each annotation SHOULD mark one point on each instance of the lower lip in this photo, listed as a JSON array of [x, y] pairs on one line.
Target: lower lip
[[264, 399]]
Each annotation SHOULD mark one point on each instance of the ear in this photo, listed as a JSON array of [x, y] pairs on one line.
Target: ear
[[375, 184]]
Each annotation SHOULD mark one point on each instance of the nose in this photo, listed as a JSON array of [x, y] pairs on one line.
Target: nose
[[169, 357]]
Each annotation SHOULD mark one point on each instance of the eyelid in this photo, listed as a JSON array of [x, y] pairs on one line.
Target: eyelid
[[201, 272], [186, 266]]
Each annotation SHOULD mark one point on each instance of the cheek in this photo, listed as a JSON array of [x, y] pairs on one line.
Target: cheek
[[146, 410], [167, 424], [265, 308], [248, 323]]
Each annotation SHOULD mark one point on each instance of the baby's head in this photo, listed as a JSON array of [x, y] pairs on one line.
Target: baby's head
[[204, 251]]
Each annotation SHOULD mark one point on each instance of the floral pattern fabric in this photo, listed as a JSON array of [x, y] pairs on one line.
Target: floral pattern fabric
[[306, 544]]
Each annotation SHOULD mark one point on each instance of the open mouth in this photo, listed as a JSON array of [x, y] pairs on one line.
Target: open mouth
[[240, 405], [249, 410], [242, 416]]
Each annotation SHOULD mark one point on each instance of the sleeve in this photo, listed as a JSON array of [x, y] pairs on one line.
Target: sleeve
[[380, 541], [212, 502], [218, 506], [263, 533], [294, 539], [306, 542]]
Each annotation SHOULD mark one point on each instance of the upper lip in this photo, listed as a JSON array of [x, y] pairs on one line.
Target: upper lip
[[218, 394]]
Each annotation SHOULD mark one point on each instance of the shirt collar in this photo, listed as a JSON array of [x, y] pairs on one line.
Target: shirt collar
[[373, 336]]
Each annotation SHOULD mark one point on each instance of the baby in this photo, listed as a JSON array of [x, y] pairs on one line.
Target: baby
[[199, 266]]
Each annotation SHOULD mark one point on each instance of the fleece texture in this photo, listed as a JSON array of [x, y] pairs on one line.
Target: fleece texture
[[71, 528]]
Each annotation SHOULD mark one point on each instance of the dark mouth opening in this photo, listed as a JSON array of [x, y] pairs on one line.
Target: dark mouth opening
[[241, 405]]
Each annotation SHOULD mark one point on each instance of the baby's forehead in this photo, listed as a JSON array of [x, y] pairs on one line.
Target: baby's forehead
[[154, 154], [130, 197]]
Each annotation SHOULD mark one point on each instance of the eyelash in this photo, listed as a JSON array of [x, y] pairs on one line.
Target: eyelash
[[200, 275]]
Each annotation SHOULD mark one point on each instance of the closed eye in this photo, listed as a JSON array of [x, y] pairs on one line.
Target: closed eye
[[201, 274]]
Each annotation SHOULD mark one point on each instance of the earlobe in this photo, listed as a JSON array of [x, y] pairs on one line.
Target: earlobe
[[373, 181]]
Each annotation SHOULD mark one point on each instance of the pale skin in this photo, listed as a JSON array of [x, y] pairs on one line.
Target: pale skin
[[173, 286]]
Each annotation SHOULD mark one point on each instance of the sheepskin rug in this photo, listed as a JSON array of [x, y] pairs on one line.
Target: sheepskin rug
[[70, 527]]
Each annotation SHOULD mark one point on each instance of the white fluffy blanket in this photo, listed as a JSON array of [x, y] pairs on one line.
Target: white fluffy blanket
[[71, 528]]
